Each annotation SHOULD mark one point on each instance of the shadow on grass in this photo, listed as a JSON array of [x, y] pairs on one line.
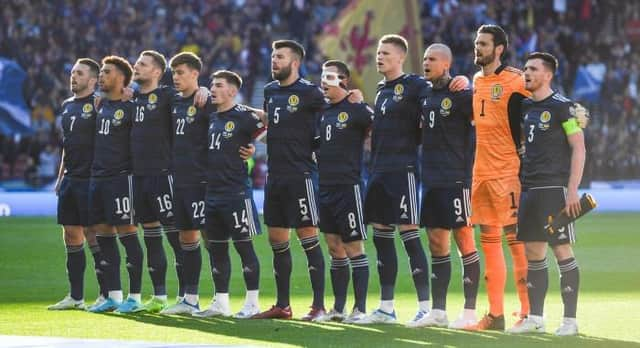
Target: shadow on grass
[[299, 333]]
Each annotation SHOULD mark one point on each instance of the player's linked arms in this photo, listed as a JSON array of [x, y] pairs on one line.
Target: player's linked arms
[[459, 83]]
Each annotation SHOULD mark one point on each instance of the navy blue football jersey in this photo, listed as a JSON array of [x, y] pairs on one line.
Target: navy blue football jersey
[[396, 125], [189, 128], [112, 152], [343, 128], [78, 120], [228, 130], [292, 112], [547, 158], [447, 138], [151, 132]]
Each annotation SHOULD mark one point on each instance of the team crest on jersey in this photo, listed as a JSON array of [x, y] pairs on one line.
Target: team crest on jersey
[[117, 117], [496, 92], [545, 117], [397, 92], [87, 109], [342, 120], [153, 99], [228, 129], [445, 107], [293, 103], [191, 114]]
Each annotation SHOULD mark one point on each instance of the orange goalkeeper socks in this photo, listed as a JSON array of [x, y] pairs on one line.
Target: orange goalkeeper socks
[[519, 271], [495, 268]]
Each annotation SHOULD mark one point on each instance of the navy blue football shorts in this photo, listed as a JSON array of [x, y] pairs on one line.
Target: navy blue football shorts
[[110, 200], [536, 205]]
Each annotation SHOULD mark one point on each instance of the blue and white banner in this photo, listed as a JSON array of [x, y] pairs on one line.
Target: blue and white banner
[[15, 116], [588, 83]]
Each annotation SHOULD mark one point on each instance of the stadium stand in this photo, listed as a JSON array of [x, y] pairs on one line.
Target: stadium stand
[[45, 38]]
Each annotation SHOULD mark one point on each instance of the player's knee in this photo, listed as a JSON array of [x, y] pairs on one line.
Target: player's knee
[[189, 237], [562, 251], [279, 247], [535, 250], [354, 249], [307, 232], [510, 229], [151, 224], [465, 240], [126, 229], [439, 242], [73, 235]]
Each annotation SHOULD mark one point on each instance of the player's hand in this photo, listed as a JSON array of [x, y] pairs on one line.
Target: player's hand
[[355, 96], [572, 207], [200, 99], [459, 83], [127, 93], [581, 114], [247, 152]]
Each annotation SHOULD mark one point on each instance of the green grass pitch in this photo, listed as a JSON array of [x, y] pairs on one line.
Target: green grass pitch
[[32, 276]]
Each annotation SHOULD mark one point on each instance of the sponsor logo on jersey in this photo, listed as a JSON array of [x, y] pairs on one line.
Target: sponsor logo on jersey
[[545, 117], [496, 92], [191, 114], [87, 110], [398, 90], [153, 99], [293, 103], [342, 120], [445, 107], [228, 129], [117, 117]]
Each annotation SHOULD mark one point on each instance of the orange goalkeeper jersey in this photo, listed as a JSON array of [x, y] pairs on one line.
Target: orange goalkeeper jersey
[[497, 100]]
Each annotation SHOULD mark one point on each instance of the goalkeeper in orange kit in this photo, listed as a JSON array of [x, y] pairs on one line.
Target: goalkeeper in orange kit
[[498, 91]]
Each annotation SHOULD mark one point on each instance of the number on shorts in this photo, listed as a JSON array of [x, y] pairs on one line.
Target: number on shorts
[[403, 204], [352, 220], [198, 209], [303, 206], [513, 200], [457, 205], [243, 219], [122, 205], [164, 202]]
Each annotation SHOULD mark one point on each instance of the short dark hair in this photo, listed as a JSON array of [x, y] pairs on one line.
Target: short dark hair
[[122, 65], [294, 46], [548, 60], [94, 67], [498, 34], [230, 76], [343, 68], [157, 57], [188, 58], [395, 40]]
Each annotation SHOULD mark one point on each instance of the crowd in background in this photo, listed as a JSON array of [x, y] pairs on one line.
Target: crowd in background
[[45, 38]]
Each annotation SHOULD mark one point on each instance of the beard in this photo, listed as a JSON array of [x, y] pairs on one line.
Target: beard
[[486, 60], [283, 74]]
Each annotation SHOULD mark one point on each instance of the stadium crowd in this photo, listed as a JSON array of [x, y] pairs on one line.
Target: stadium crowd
[[45, 38]]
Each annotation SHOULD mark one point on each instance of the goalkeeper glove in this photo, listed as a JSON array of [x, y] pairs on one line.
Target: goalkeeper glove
[[581, 115]]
